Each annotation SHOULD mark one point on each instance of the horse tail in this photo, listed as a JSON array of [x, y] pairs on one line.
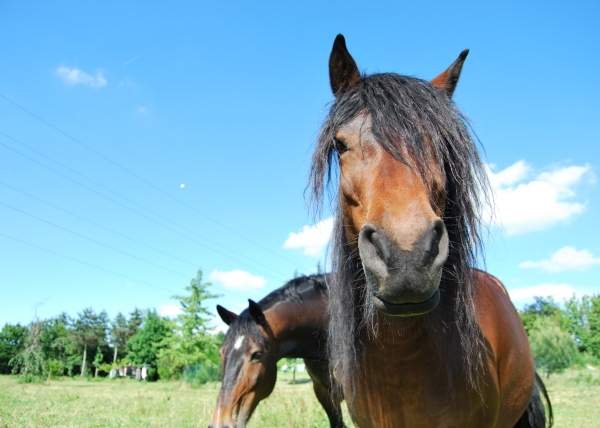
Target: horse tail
[[535, 415]]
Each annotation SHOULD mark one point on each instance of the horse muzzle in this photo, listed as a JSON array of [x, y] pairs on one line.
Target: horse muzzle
[[403, 282]]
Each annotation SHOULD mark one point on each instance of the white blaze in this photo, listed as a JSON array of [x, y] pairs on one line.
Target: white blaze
[[238, 343]]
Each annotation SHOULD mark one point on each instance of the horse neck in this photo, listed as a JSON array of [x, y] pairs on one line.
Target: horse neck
[[432, 336], [298, 328]]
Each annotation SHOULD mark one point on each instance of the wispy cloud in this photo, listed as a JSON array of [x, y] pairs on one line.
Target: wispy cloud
[[135, 58], [526, 201], [238, 280], [567, 258], [312, 239], [74, 76]]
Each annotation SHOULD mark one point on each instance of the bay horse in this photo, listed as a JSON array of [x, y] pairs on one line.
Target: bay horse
[[417, 337], [289, 322]]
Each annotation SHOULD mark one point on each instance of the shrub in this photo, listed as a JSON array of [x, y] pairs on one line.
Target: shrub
[[553, 349], [199, 374]]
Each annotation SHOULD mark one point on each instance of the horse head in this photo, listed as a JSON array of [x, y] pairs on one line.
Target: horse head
[[249, 366], [392, 194]]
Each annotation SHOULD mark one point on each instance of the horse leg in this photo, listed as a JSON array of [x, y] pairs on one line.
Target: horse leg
[[331, 402], [535, 416]]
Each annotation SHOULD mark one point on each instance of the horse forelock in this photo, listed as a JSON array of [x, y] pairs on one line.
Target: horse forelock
[[244, 326], [416, 123]]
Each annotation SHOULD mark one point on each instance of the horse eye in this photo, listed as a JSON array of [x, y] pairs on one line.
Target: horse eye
[[339, 146], [255, 356]]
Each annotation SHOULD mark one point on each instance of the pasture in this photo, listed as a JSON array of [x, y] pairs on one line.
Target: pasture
[[575, 396]]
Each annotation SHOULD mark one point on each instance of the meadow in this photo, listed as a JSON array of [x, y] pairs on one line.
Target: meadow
[[575, 396]]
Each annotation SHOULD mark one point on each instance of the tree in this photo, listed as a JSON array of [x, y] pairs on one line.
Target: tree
[[136, 318], [544, 307], [30, 362], [59, 347], [144, 346], [553, 349], [89, 332], [98, 359], [12, 341], [191, 342], [292, 364], [584, 323], [120, 334]]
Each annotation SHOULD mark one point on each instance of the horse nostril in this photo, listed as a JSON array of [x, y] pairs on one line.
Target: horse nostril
[[439, 241], [371, 237]]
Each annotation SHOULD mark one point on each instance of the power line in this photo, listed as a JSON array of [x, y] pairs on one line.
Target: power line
[[108, 270], [158, 250], [97, 153], [132, 210], [110, 247], [86, 263]]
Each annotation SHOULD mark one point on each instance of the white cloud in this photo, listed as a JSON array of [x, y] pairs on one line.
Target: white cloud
[[559, 292], [74, 76], [526, 202], [238, 280], [567, 258], [219, 325], [169, 310], [313, 239]]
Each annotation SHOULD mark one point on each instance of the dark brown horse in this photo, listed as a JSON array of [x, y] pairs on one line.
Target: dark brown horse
[[289, 322], [416, 336]]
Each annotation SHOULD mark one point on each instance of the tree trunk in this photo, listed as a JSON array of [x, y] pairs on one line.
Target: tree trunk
[[96, 372], [115, 356], [84, 356]]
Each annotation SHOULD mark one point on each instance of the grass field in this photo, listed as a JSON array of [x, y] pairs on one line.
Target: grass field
[[575, 396]]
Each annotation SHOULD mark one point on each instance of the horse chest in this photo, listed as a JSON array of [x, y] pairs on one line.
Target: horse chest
[[413, 392]]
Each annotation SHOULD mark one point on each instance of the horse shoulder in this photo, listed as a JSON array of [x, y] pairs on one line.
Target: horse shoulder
[[509, 359]]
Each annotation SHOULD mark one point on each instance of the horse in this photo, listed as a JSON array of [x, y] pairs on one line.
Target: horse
[[417, 336], [289, 322]]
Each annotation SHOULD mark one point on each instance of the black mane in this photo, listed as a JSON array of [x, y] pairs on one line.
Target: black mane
[[415, 122], [292, 291]]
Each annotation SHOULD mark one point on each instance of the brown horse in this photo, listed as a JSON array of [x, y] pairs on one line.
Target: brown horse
[[416, 336], [289, 322]]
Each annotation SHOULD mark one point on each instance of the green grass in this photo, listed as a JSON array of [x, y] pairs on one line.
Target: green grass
[[575, 396]]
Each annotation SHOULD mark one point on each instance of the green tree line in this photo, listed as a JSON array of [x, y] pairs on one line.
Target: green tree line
[[562, 335], [91, 344]]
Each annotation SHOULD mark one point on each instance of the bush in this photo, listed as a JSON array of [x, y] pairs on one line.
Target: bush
[[584, 359], [553, 349], [199, 374]]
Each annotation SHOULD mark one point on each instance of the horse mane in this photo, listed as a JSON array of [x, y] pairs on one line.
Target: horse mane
[[415, 122], [292, 291]]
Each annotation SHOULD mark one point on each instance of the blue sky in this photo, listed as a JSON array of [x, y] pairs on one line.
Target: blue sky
[[141, 141]]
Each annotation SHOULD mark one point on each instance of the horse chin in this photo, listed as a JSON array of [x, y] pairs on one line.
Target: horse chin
[[382, 302], [406, 309]]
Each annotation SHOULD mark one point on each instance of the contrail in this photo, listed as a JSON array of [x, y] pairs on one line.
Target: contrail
[[137, 57]]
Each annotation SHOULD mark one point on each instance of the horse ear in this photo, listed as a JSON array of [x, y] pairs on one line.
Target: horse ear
[[227, 316], [448, 79], [343, 72], [256, 313]]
